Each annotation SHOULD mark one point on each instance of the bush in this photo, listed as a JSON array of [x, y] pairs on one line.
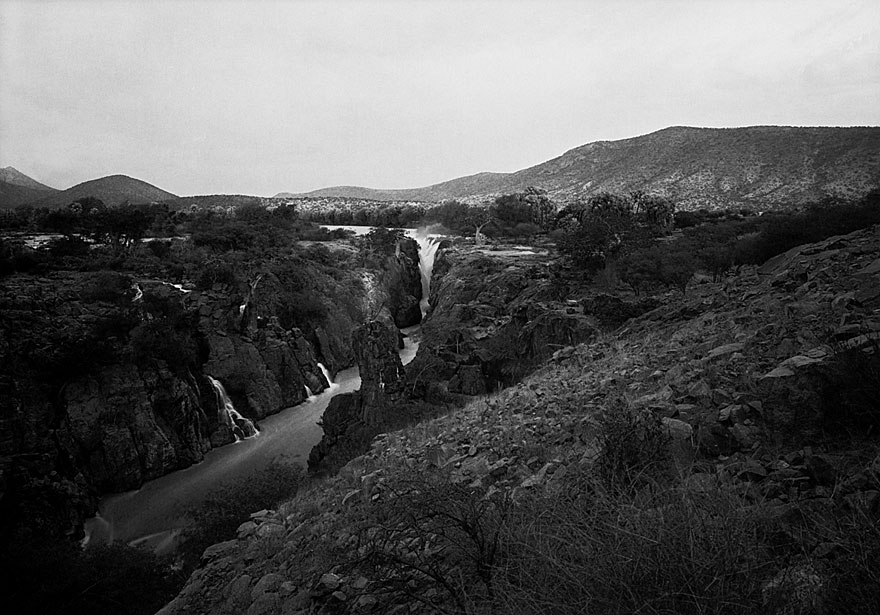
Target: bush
[[107, 286], [434, 541], [299, 308], [217, 273], [68, 246], [633, 447], [217, 518], [168, 339]]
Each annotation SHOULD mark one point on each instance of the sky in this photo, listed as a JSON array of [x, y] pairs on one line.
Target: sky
[[260, 97]]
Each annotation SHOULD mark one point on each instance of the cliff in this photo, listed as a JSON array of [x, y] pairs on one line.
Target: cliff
[[105, 380], [731, 429]]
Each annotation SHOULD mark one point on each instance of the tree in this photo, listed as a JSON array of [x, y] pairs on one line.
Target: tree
[[597, 232]]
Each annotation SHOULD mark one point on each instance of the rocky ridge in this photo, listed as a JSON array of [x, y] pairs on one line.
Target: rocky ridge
[[756, 166], [722, 371]]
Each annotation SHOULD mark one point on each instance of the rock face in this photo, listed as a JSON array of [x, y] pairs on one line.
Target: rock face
[[382, 375], [402, 282], [492, 320], [97, 399], [382, 386]]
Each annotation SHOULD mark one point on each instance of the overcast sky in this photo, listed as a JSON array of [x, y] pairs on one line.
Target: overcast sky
[[205, 97]]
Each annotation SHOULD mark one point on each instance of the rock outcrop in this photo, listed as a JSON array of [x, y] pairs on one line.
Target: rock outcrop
[[382, 388], [492, 320]]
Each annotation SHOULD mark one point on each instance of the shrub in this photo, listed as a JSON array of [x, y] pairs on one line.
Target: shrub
[[68, 246], [166, 339], [107, 286], [217, 273], [160, 249], [299, 308], [217, 518], [633, 447], [432, 541]]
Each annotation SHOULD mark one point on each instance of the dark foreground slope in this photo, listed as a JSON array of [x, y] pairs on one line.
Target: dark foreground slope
[[761, 167], [717, 455]]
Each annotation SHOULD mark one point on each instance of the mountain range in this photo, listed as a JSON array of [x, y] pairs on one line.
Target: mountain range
[[112, 190], [758, 166], [761, 167]]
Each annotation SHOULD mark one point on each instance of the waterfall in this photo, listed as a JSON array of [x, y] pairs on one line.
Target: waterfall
[[326, 373], [250, 295], [241, 427], [427, 251]]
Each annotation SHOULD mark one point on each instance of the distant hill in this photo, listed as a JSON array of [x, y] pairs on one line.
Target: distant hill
[[11, 175], [758, 166], [16, 188], [112, 190]]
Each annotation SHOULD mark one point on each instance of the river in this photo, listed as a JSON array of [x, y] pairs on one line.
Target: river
[[155, 514]]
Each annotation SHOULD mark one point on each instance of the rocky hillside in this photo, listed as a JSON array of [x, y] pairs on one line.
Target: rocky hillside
[[16, 188], [716, 455], [761, 167], [112, 190], [107, 376]]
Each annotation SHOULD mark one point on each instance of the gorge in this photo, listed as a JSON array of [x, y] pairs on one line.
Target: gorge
[[156, 513]]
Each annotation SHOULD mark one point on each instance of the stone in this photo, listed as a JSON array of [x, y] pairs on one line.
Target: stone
[[265, 604], [676, 429], [796, 590], [219, 550], [726, 349]]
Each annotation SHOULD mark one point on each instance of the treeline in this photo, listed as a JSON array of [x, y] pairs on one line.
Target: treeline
[[88, 235], [619, 236]]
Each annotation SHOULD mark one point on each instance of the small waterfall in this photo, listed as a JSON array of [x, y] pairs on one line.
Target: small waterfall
[[309, 393], [241, 427], [139, 293], [427, 251], [326, 373], [250, 295]]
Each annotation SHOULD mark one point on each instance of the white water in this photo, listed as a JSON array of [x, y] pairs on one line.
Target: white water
[[227, 414], [326, 373], [428, 245]]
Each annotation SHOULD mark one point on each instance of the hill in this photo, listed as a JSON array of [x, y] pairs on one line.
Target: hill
[[112, 190], [16, 188], [759, 166], [12, 175]]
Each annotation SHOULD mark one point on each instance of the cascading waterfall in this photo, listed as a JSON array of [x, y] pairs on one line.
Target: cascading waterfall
[[427, 251], [241, 427], [326, 373]]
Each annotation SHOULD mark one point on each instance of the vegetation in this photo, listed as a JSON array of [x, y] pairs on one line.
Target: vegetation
[[58, 577], [217, 518]]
